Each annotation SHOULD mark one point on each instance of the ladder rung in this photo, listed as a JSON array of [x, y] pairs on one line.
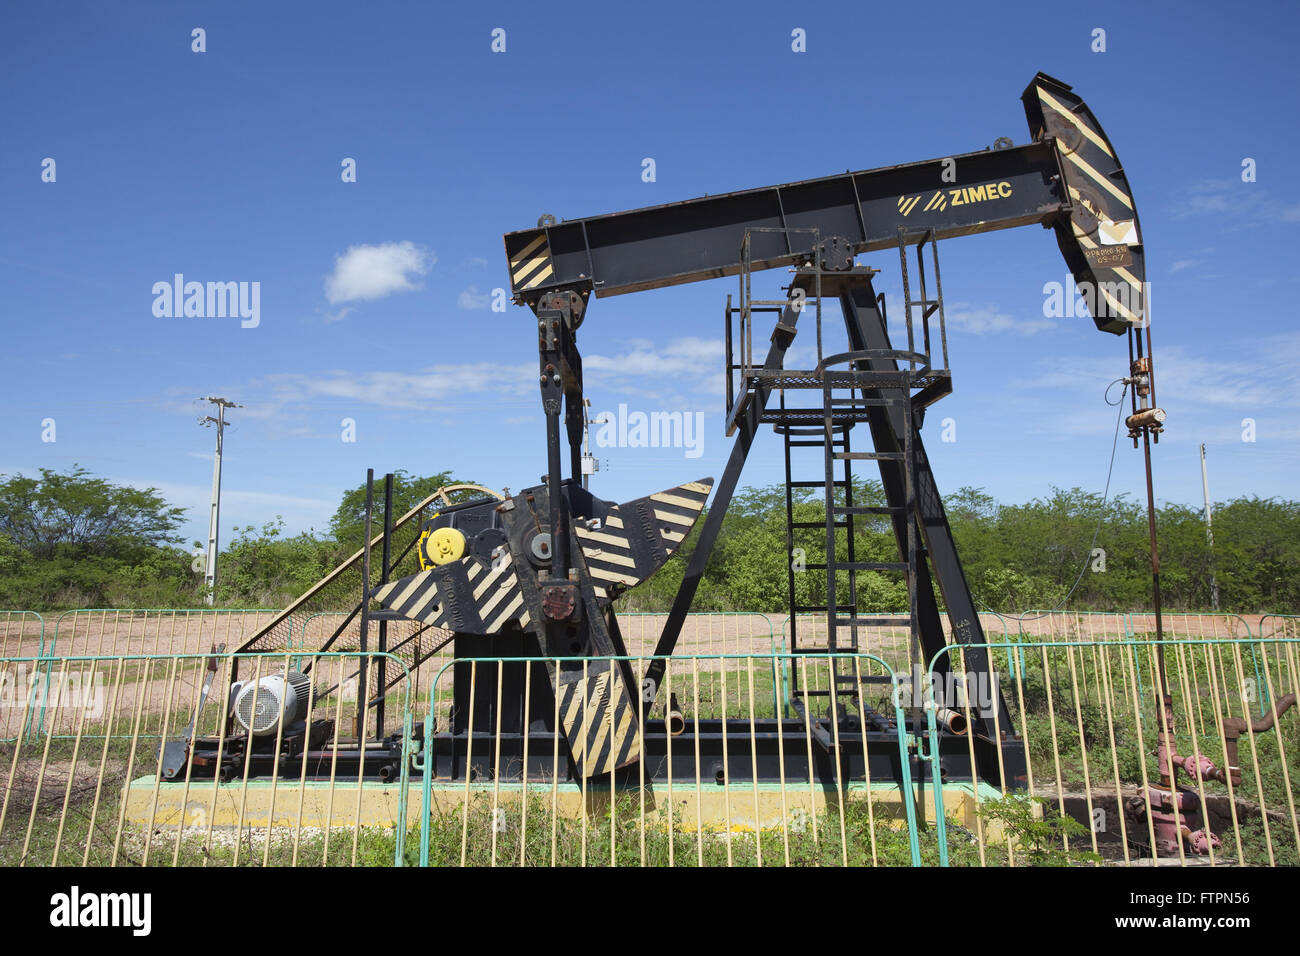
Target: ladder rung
[[868, 509], [815, 444], [814, 483], [868, 402], [817, 524], [807, 608], [868, 455], [869, 566], [872, 622]]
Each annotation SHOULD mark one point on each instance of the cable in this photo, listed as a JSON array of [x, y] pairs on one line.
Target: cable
[[1105, 495], [1121, 394]]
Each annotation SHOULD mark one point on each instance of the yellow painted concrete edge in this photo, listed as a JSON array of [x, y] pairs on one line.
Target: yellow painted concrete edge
[[741, 807]]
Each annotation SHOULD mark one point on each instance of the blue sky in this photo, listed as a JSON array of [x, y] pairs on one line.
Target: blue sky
[[225, 166]]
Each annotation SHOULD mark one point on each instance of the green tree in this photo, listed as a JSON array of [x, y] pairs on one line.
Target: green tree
[[264, 569], [72, 540], [77, 515], [347, 527]]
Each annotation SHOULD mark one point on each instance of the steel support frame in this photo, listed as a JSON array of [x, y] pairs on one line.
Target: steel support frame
[[892, 431], [748, 420], [867, 330]]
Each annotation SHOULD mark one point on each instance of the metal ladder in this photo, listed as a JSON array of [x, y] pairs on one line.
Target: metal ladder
[[859, 397], [845, 395], [850, 388]]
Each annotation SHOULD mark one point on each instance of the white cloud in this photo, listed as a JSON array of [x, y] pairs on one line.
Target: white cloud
[[1268, 377], [1236, 204], [690, 356], [403, 389], [963, 317], [684, 365], [1231, 383], [1195, 259], [471, 298], [372, 272], [236, 502], [656, 373]]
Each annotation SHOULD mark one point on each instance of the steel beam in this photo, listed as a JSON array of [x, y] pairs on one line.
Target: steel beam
[[700, 239]]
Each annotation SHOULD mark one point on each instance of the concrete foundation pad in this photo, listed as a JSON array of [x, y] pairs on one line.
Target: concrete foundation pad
[[738, 807]]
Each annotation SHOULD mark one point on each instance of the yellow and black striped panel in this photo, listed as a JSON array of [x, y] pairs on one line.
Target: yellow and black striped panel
[[635, 538], [598, 717], [1102, 241], [530, 263], [467, 597]]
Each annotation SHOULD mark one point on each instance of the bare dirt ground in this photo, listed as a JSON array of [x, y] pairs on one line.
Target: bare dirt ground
[[116, 632], [121, 632]]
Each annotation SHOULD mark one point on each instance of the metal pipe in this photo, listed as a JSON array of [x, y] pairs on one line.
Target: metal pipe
[[1266, 721], [362, 680], [1151, 367], [555, 512], [1234, 727], [385, 567], [952, 720], [1155, 584], [1146, 418], [676, 723]]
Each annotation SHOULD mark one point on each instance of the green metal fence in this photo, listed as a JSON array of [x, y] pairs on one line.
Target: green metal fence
[[687, 821], [101, 689], [22, 633], [1087, 711], [98, 795]]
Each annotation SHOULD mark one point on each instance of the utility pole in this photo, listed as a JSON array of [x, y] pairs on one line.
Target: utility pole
[[1209, 530], [589, 463], [210, 567]]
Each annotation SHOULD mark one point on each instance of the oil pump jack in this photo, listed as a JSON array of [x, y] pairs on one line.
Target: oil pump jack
[[533, 574]]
